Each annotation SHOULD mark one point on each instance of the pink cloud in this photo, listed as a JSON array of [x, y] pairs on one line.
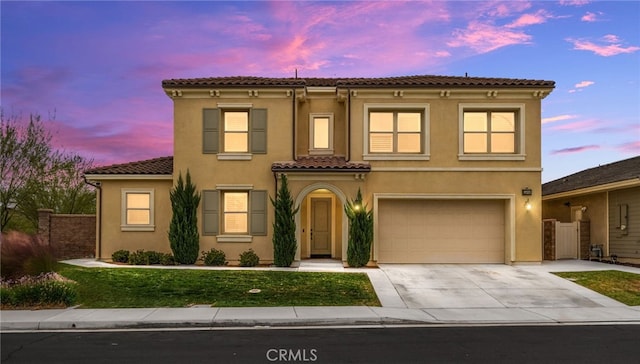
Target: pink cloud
[[577, 126], [558, 118], [575, 149], [524, 20], [584, 84], [590, 17], [612, 46], [631, 147], [485, 38], [574, 2]]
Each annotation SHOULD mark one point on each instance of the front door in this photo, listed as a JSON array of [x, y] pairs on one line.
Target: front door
[[321, 226]]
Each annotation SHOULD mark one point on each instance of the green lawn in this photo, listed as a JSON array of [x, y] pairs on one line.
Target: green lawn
[[142, 287], [621, 286]]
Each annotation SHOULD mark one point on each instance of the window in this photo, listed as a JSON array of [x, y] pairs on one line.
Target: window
[[491, 132], [396, 132], [236, 131], [137, 210], [321, 134], [235, 212]]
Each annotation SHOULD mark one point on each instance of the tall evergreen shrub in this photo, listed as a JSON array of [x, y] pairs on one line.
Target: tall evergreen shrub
[[360, 232], [183, 231], [284, 227]]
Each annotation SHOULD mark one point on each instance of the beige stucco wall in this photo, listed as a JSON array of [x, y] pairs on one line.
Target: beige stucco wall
[[112, 238], [596, 213]]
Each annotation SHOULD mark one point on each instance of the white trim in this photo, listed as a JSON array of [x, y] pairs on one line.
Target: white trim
[[230, 187], [456, 169], [123, 210], [231, 105], [519, 131], [425, 132], [100, 177], [235, 156], [320, 89], [510, 215], [320, 151], [234, 238], [593, 189]]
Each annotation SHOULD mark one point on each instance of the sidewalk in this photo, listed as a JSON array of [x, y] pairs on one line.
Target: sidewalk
[[394, 310]]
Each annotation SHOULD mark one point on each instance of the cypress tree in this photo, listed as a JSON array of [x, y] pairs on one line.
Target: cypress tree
[[360, 232], [183, 231], [284, 227]]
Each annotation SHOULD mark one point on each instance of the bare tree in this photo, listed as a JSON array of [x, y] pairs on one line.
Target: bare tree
[[34, 175]]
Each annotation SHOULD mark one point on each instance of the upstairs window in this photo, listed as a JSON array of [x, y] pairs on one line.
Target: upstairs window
[[236, 131], [491, 132], [395, 132], [321, 134]]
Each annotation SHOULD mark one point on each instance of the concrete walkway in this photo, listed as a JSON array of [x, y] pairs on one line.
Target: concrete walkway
[[425, 294]]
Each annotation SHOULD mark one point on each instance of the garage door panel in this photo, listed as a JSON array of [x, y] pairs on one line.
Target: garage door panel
[[440, 231]]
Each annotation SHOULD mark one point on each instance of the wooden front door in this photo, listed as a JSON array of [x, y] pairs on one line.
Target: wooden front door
[[320, 226]]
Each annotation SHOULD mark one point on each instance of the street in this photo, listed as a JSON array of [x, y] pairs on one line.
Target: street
[[478, 344]]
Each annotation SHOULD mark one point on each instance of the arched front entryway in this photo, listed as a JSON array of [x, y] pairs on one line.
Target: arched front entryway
[[320, 201]]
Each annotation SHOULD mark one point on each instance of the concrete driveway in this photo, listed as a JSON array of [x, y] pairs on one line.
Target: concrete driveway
[[495, 286]]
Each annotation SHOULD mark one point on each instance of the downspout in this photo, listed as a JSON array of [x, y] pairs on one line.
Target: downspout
[[293, 119], [98, 186], [349, 124]]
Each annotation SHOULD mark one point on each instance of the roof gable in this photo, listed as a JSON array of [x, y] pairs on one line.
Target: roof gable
[[623, 170]]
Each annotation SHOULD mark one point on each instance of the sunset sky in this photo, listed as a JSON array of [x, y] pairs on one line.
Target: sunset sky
[[96, 67]]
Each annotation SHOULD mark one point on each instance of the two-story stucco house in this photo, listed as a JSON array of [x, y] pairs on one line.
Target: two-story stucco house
[[450, 165]]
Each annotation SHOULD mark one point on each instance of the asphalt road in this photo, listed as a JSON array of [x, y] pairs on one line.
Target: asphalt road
[[504, 344]]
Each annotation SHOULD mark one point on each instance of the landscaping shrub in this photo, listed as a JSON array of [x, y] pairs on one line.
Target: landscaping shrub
[[214, 257], [360, 232], [284, 227], [139, 257], [22, 254], [249, 258], [167, 259], [49, 289], [183, 230], [120, 256]]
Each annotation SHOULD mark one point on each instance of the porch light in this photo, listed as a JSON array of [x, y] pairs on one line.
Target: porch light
[[527, 205], [356, 207]]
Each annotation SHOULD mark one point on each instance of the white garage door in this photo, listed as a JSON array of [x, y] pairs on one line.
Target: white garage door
[[440, 231]]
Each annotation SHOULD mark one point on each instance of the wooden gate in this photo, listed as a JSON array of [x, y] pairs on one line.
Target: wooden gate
[[566, 240]]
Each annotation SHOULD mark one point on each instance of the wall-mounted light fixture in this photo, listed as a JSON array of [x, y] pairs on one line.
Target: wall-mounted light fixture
[[527, 205]]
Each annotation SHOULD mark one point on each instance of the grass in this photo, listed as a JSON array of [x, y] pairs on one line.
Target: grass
[[132, 287], [621, 286]]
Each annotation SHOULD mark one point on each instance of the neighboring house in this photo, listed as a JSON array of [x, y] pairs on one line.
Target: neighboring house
[[608, 196], [448, 164]]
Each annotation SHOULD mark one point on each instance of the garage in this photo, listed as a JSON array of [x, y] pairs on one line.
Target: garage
[[440, 231]]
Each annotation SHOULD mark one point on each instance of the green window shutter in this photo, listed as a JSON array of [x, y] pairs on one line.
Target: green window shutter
[[259, 131], [210, 130], [258, 212], [210, 214]]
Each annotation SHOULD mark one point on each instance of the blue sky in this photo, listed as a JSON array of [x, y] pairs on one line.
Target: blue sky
[[96, 67]]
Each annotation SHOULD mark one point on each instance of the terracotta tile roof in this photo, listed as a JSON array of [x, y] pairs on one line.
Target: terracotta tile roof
[[403, 81], [623, 170], [321, 164], [163, 165]]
